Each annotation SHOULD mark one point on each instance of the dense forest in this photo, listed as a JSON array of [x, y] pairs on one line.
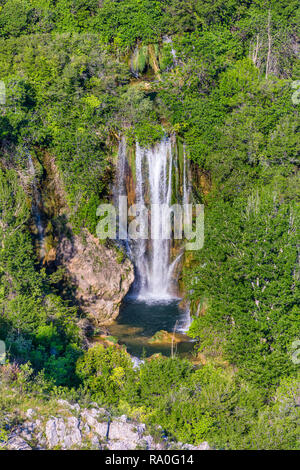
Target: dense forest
[[223, 75]]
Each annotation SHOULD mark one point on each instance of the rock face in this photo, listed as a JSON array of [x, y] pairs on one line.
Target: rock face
[[99, 274], [102, 278], [17, 443], [63, 432], [87, 428]]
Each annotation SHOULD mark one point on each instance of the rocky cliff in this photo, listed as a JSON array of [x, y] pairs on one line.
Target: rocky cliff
[[70, 427], [99, 274], [102, 276]]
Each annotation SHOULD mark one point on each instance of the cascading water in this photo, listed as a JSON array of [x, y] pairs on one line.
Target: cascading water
[[168, 40], [155, 180], [153, 185], [152, 178], [184, 321], [120, 188]]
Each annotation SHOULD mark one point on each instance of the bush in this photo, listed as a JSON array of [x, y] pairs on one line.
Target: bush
[[104, 372]]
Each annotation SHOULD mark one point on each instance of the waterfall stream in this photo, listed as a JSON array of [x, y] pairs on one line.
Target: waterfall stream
[[168, 40], [155, 181], [154, 171], [153, 178]]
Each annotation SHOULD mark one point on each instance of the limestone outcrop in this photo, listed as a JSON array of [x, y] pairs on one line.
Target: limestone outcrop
[[102, 276], [74, 427]]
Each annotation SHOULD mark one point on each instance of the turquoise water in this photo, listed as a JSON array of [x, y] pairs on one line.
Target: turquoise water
[[139, 320]]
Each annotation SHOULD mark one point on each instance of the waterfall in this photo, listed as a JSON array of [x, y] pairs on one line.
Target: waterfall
[[36, 202], [120, 187], [139, 247], [153, 187], [133, 62], [151, 178], [185, 321], [168, 40], [160, 191], [186, 186]]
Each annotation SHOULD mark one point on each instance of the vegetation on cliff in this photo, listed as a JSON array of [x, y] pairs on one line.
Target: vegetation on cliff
[[222, 75]]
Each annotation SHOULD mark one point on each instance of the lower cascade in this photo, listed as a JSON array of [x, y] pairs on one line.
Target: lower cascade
[[160, 179], [153, 172], [153, 179]]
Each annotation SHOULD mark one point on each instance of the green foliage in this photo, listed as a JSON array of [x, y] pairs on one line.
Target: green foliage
[[247, 270], [35, 323], [104, 372], [193, 405], [225, 87], [72, 116], [146, 133]]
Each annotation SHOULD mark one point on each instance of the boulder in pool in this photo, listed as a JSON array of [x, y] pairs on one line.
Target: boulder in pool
[[163, 337]]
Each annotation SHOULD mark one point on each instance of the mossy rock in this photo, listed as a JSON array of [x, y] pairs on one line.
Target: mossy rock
[[107, 340], [112, 339], [140, 59], [163, 336]]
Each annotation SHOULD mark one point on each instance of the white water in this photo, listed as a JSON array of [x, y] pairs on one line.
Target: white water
[[151, 257], [168, 40], [185, 321], [154, 171]]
